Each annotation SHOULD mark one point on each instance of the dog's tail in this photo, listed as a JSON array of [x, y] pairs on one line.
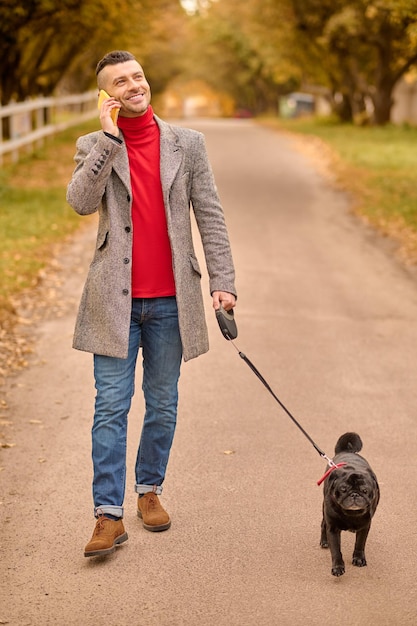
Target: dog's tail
[[349, 442]]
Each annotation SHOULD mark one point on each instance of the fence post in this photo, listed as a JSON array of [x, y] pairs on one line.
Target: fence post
[[32, 121]]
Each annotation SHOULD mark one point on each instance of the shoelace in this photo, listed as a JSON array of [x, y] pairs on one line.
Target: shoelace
[[100, 524], [152, 502]]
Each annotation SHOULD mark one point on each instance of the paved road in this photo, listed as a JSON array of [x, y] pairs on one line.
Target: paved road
[[329, 317]]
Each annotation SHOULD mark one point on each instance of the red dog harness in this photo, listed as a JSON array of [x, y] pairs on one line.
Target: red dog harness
[[329, 471]]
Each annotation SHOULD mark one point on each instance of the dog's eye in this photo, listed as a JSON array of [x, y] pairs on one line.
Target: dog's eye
[[364, 490], [343, 488]]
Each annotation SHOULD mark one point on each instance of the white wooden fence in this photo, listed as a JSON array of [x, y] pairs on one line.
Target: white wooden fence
[[31, 121]]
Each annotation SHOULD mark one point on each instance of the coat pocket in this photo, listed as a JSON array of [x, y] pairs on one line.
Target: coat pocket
[[195, 265], [102, 239]]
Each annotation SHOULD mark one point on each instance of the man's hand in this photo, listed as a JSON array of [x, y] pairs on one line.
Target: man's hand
[[224, 299], [107, 116]]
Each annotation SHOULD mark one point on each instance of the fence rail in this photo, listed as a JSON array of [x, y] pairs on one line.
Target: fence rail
[[26, 124]]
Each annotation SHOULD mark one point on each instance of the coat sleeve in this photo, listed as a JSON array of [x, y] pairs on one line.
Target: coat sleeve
[[211, 222], [94, 158]]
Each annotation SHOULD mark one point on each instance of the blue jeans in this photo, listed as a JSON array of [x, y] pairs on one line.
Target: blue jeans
[[154, 327]]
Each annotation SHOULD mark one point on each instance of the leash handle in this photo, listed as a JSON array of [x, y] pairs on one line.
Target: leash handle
[[226, 321]]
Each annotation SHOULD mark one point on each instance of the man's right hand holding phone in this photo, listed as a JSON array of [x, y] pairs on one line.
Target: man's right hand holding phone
[[109, 110]]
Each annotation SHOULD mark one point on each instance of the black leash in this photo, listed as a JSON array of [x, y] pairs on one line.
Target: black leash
[[229, 330]]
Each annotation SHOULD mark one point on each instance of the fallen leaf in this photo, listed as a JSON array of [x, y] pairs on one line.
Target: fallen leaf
[[35, 421], [229, 452], [7, 445]]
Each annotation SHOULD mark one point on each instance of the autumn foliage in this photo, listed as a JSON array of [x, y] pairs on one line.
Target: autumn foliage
[[353, 51]]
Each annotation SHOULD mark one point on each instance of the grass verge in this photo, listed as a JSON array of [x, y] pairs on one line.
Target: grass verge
[[34, 219], [377, 165], [34, 214]]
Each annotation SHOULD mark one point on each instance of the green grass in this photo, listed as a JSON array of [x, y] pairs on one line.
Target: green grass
[[377, 164], [30, 222], [34, 214]]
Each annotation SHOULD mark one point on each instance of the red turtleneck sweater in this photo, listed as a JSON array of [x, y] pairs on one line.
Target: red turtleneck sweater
[[152, 274]]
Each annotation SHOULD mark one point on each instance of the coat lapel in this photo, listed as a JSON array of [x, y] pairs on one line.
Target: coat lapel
[[121, 166], [171, 156]]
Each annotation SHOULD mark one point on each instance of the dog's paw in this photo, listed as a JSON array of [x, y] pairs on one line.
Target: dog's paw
[[359, 561], [338, 570], [324, 544]]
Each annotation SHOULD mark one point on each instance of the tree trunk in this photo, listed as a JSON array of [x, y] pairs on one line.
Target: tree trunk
[[342, 107], [383, 102], [384, 74]]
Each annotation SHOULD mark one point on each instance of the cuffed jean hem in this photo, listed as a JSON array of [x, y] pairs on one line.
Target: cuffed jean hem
[[109, 509], [141, 489]]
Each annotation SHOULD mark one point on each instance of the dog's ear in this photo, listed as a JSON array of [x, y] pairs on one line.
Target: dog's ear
[[339, 474], [331, 478], [376, 493], [374, 478]]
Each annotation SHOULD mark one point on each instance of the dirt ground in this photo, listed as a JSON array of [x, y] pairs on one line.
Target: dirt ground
[[328, 315]]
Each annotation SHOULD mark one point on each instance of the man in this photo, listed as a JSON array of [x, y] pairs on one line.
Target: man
[[143, 288]]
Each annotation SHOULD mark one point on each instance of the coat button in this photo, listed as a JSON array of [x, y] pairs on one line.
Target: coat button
[[127, 229], [125, 292], [125, 261], [128, 197]]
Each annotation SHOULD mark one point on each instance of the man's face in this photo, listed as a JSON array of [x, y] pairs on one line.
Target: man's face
[[127, 83]]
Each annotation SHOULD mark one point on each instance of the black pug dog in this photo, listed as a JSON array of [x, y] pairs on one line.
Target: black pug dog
[[351, 496]]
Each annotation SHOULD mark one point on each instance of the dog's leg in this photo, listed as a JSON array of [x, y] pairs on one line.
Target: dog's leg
[[359, 552], [338, 565], [323, 537]]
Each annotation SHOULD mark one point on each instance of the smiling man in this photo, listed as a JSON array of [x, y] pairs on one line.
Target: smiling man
[[143, 289], [128, 86]]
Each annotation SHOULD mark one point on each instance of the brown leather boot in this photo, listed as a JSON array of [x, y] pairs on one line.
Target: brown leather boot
[[107, 535], [153, 515]]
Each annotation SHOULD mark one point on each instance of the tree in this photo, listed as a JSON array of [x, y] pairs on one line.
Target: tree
[[364, 47], [357, 49], [40, 39], [254, 50], [49, 43]]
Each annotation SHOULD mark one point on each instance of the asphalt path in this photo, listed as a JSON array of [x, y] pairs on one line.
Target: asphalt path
[[328, 315]]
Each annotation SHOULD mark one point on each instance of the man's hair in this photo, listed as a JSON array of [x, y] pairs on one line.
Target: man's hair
[[112, 58]]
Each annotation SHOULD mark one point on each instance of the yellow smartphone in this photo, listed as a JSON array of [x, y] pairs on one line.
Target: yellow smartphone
[[103, 95]]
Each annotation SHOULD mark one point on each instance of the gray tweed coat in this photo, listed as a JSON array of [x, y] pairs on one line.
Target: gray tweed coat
[[101, 182]]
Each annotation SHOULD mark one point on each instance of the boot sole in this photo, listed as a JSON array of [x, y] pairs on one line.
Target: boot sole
[[117, 542], [154, 529]]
